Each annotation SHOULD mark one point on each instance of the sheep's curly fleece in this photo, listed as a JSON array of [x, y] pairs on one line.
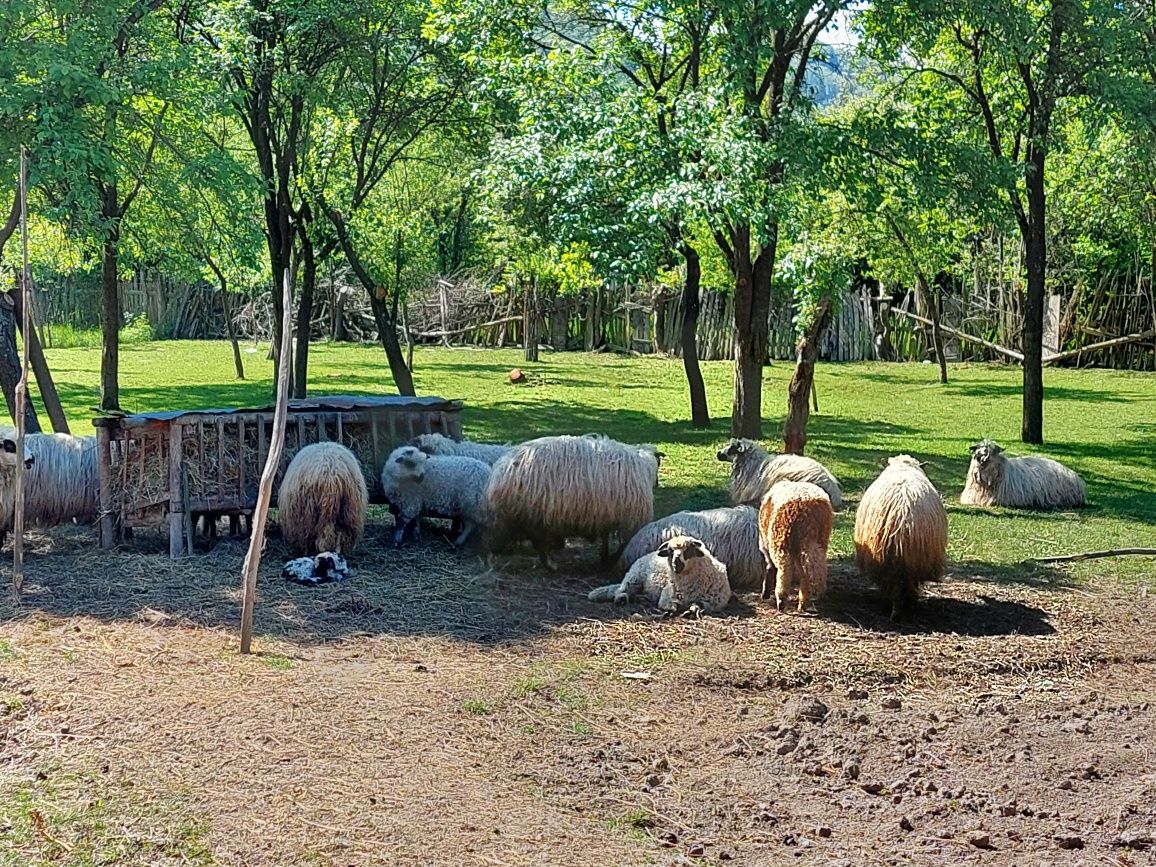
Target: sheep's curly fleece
[[731, 534], [449, 486], [550, 488], [442, 446], [794, 532], [702, 583], [755, 470], [1028, 482], [322, 501], [61, 485], [901, 532]]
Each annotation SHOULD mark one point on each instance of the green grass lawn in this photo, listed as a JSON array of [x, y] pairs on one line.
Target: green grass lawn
[[1101, 423]]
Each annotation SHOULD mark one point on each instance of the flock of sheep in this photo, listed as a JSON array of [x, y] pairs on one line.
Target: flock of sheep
[[549, 489]]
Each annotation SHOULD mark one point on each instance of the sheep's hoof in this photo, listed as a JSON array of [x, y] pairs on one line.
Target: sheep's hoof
[[779, 603]]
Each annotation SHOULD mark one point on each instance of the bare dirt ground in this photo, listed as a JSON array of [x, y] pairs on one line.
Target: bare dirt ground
[[427, 713]]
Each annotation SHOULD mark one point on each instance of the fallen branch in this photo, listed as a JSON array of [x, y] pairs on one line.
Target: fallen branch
[[954, 332], [452, 331], [1096, 555], [1103, 344]]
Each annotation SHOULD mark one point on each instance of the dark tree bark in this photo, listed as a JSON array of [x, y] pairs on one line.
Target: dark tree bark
[[752, 273], [691, 297], [925, 292], [226, 307], [530, 321], [383, 316], [1036, 254], [44, 381], [304, 315], [10, 366], [803, 380]]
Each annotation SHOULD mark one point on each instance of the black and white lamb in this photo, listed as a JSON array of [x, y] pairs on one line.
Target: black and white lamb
[[682, 574]]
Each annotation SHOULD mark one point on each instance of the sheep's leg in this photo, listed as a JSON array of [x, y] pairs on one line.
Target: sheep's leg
[[466, 532], [784, 584], [401, 527], [544, 556], [769, 579], [606, 549], [668, 600], [234, 526]]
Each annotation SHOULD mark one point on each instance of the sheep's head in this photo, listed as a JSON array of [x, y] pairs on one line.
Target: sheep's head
[[329, 566], [408, 462], [985, 451], [679, 550], [8, 454], [431, 443], [736, 447], [904, 461]]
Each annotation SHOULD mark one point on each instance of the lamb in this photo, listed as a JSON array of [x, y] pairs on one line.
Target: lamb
[[731, 533], [901, 532], [442, 446], [1028, 482], [755, 471], [321, 569], [449, 486], [795, 521], [550, 488], [62, 483], [682, 574], [323, 500]]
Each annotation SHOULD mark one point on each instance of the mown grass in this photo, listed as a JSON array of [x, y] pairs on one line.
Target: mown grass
[[1102, 423]]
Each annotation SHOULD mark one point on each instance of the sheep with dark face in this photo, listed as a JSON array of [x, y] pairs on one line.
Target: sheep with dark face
[[682, 574], [322, 502], [755, 470], [1028, 482], [443, 486], [62, 484]]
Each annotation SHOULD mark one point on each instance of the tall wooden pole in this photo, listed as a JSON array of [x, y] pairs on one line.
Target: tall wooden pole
[[21, 387], [272, 462]]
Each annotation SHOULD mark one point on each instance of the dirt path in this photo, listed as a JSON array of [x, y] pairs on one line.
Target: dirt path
[[426, 715]]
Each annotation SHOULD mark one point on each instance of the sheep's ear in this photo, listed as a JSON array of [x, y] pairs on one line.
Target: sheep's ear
[[664, 551], [695, 549], [973, 448]]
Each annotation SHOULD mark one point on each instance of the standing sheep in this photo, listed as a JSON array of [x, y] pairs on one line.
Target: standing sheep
[[62, 483], [731, 534], [901, 532], [1029, 482], [755, 471], [550, 488], [323, 500], [443, 446], [795, 521], [450, 486], [682, 574]]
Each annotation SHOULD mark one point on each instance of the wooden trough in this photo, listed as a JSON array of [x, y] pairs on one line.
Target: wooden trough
[[173, 466]]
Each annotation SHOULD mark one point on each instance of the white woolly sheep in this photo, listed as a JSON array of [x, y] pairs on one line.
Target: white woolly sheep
[[755, 470], [731, 534], [450, 486], [323, 500], [682, 574], [62, 483], [901, 532], [551, 488], [795, 521], [443, 446], [1028, 482]]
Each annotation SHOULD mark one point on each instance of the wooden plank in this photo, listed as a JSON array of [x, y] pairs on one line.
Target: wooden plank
[[221, 453], [341, 427], [104, 468], [241, 458], [176, 494]]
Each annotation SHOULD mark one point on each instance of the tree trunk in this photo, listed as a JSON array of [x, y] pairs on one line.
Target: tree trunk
[[699, 409], [752, 315], [802, 382], [530, 321], [1035, 248], [386, 324], [48, 393], [230, 331], [110, 315], [936, 331], [304, 316], [10, 366]]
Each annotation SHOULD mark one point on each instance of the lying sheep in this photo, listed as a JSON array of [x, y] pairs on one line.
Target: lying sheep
[[551, 488], [901, 532], [795, 521], [732, 535], [322, 502], [682, 574], [443, 446], [1029, 482], [62, 483], [755, 470], [451, 486], [321, 569]]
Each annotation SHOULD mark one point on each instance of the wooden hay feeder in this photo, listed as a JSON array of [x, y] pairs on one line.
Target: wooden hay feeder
[[173, 466]]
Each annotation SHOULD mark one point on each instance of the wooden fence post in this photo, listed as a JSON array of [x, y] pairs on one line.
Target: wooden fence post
[[21, 389]]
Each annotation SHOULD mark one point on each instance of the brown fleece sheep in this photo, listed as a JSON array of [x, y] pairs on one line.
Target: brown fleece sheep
[[794, 531], [323, 500], [901, 532]]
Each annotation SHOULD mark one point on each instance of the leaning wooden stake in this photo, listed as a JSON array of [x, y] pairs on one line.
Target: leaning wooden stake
[[21, 389], [272, 461]]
